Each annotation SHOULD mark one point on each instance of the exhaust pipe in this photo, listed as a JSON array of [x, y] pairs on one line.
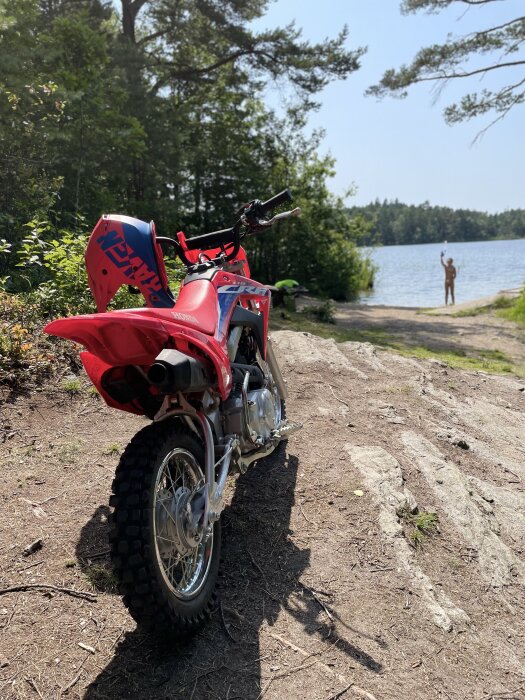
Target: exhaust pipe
[[174, 371], [276, 372]]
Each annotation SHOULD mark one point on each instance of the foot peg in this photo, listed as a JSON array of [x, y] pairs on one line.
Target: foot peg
[[286, 429]]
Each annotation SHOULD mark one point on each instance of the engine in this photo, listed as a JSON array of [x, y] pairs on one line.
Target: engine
[[252, 420], [261, 406]]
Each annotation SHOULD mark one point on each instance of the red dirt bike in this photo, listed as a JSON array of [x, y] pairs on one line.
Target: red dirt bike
[[203, 369]]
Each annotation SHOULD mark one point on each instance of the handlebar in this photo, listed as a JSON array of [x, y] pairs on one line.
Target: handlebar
[[281, 198], [250, 218], [210, 240]]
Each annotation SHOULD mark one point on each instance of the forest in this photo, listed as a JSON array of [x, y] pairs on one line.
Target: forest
[[156, 110], [394, 223]]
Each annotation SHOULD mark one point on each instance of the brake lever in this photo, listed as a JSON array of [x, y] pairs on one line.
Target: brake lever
[[284, 215], [263, 223]]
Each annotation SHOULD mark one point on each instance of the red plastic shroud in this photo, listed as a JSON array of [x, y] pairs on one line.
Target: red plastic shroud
[[196, 324]]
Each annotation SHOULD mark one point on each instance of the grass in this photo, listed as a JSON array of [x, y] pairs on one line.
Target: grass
[[101, 579], [295, 321], [72, 386], [113, 448], [419, 525], [325, 312], [498, 304], [515, 312], [491, 361], [67, 452]]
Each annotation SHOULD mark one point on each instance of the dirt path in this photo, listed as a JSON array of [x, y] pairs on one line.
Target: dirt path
[[323, 593], [437, 330]]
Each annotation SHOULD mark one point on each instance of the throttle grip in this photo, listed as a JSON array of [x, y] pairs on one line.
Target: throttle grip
[[273, 202]]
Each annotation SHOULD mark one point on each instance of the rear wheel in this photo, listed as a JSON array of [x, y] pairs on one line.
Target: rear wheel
[[166, 564]]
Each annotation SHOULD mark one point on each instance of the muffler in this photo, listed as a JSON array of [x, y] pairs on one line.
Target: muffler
[[174, 371]]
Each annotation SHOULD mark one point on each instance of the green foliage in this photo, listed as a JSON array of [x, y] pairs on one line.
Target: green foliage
[[5, 249], [471, 56], [72, 386], [101, 578], [25, 355], [158, 113], [50, 267], [394, 223], [419, 525], [367, 273], [516, 312], [67, 289], [324, 313], [501, 302], [319, 248], [114, 448]]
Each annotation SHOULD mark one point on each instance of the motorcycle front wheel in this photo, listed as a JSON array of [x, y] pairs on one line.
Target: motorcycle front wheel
[[166, 568]]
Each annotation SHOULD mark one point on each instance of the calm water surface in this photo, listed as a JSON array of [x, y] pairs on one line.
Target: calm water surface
[[411, 275]]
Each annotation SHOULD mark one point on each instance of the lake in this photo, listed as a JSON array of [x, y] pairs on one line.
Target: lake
[[411, 275]]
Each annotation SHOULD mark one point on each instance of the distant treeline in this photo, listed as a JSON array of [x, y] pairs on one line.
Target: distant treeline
[[394, 223]]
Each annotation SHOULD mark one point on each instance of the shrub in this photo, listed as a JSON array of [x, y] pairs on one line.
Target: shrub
[[516, 312], [418, 524], [325, 312], [367, 273]]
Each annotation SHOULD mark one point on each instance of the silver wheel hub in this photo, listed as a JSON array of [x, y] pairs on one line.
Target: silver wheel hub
[[183, 552], [175, 518]]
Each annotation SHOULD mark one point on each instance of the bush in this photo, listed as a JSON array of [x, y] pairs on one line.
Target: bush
[[367, 273], [50, 268], [49, 279], [25, 353], [516, 312], [325, 312]]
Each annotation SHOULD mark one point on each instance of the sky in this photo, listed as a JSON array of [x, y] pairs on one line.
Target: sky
[[403, 149]]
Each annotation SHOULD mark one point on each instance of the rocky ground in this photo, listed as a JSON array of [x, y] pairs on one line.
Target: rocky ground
[[333, 584]]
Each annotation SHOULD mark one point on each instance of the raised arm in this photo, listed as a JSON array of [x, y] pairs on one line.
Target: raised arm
[[441, 259]]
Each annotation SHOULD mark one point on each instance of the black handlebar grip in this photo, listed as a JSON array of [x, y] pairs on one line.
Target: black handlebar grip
[[210, 240], [281, 198]]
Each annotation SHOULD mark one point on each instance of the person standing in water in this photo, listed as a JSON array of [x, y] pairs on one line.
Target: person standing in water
[[450, 276]]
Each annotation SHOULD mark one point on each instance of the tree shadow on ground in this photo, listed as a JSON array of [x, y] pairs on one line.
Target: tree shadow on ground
[[261, 571], [433, 332]]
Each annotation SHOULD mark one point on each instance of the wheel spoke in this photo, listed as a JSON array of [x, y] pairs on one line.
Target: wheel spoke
[[185, 570], [167, 539], [170, 558], [184, 573], [169, 513], [171, 566], [167, 472]]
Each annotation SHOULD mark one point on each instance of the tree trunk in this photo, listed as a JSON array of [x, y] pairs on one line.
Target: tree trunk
[[130, 10]]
